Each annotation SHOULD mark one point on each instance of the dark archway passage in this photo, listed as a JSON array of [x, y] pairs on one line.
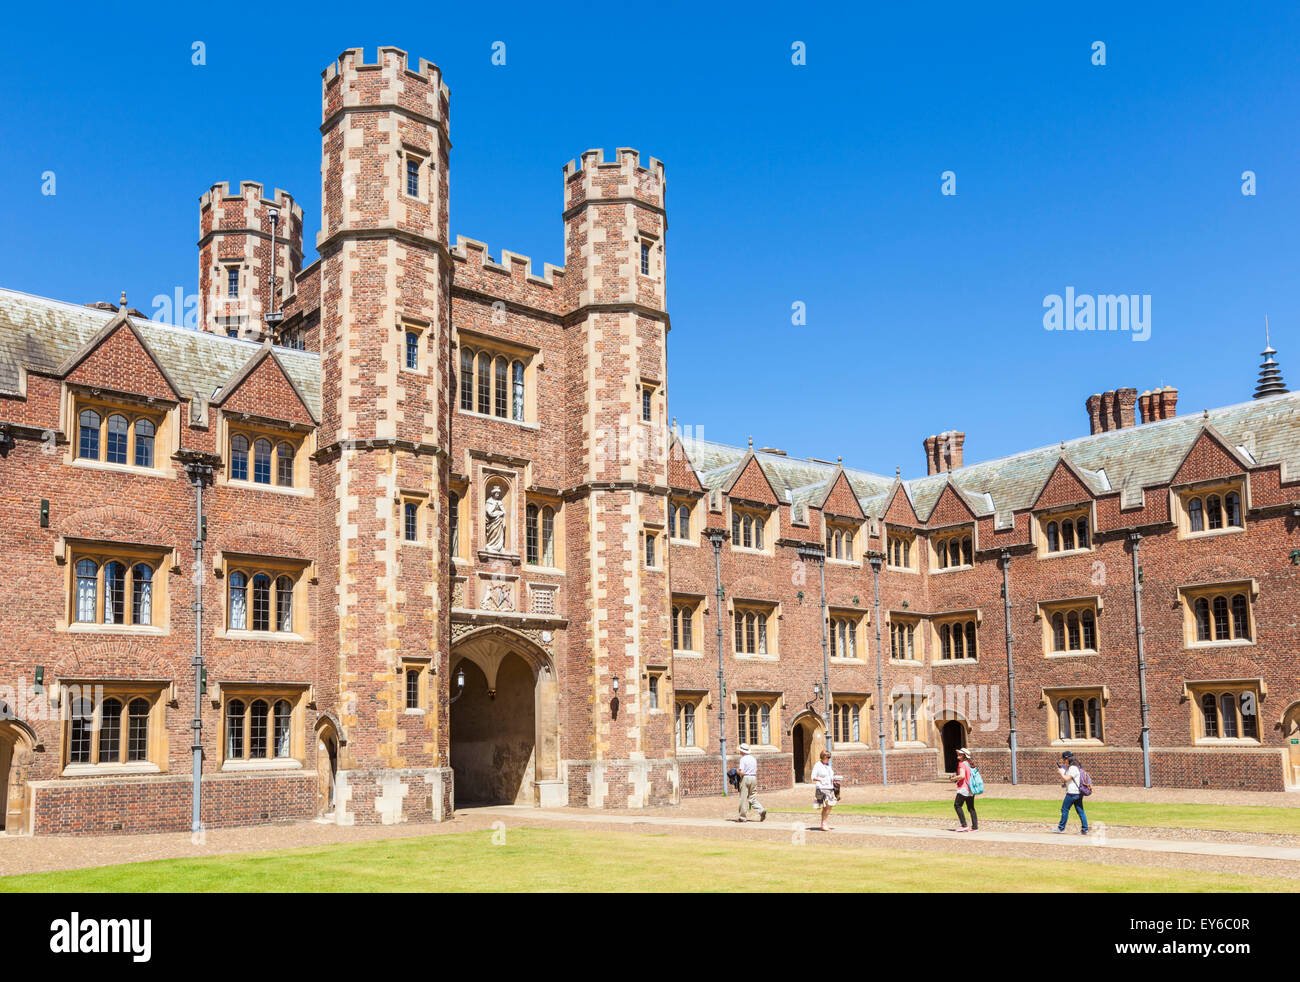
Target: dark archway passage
[[494, 734], [954, 737]]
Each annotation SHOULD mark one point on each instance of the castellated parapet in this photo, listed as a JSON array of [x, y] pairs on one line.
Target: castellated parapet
[[235, 257]]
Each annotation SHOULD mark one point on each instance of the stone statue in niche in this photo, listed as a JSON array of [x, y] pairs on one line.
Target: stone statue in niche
[[495, 511]]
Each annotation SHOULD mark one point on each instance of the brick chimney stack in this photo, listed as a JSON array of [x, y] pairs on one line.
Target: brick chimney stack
[[943, 452], [1115, 409], [1167, 401]]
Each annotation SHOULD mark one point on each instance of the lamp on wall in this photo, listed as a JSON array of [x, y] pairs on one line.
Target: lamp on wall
[[460, 685], [38, 679]]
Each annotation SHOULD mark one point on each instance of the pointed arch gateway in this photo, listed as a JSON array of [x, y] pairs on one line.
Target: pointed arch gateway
[[18, 746], [505, 740], [807, 740]]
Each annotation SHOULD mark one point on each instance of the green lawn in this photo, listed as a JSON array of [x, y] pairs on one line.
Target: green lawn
[[1243, 818], [562, 860]]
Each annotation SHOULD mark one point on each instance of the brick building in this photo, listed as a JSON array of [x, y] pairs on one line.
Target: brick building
[[450, 550]]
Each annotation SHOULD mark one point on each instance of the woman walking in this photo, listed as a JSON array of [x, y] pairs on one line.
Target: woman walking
[[824, 780], [964, 794]]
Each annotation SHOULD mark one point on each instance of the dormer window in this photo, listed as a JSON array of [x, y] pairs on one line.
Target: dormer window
[[747, 528], [116, 434], [953, 550], [1210, 510], [839, 541], [262, 459], [1063, 532]]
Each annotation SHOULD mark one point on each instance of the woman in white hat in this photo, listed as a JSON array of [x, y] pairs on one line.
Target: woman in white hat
[[964, 795], [824, 782]]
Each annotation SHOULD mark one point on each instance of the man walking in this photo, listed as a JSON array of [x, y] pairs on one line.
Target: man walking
[[748, 768], [1069, 772]]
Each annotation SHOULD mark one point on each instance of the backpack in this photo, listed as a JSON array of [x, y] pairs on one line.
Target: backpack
[[976, 783], [1085, 783], [733, 778]]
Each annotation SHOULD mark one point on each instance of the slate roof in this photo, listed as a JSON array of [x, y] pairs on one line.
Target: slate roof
[[1122, 460], [41, 334]]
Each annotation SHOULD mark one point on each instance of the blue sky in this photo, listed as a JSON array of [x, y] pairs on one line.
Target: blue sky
[[818, 183]]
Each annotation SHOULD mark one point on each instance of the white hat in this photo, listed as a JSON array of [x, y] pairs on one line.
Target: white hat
[[744, 748], [964, 752]]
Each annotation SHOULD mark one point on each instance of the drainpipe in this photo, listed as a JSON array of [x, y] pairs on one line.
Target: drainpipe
[[816, 554], [1136, 539], [875, 559], [1011, 664], [716, 535], [198, 468]]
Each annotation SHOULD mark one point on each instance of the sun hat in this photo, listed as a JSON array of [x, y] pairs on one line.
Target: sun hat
[[963, 752], [744, 748]]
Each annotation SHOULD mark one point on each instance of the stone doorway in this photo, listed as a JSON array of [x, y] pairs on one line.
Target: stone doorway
[[1291, 731], [953, 736], [17, 748], [808, 740], [327, 766], [504, 723]]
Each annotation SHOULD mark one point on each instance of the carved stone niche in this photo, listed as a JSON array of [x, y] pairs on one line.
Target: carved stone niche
[[497, 593], [497, 508]]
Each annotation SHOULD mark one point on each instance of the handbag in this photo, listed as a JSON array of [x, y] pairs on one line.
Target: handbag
[[836, 785]]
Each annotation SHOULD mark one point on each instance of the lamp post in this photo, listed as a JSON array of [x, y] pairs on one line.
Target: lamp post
[[876, 558], [198, 468], [813, 553], [716, 537]]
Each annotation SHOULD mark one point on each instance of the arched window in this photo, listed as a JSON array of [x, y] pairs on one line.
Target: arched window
[[88, 435], [686, 730], [967, 552], [683, 522], [261, 602], [1232, 502], [116, 439], [958, 642], [1058, 632], [502, 396], [517, 402], [1072, 629], [412, 350], [1201, 609], [1221, 627], [453, 522], [258, 726], [970, 639], [144, 434], [548, 536], [758, 533], [747, 523], [1195, 516], [467, 380], [235, 729], [1094, 718], [1080, 720], [284, 465], [137, 730], [239, 458], [945, 640], [1213, 512], [531, 552], [484, 383], [1053, 538], [284, 604], [1089, 631], [87, 583], [238, 601], [1063, 728], [1210, 714], [1240, 617], [261, 461], [141, 594], [1067, 535], [1249, 718], [1228, 715], [110, 731], [283, 714], [114, 593], [1081, 526]]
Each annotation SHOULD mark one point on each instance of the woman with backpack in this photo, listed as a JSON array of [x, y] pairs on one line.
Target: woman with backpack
[[1076, 783], [965, 792]]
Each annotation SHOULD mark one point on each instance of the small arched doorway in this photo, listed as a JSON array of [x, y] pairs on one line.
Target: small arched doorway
[[1291, 731], [327, 765], [952, 734], [504, 723], [17, 749], [807, 739]]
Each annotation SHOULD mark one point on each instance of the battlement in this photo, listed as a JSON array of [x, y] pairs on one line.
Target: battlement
[[350, 80], [471, 250], [253, 203], [591, 176]]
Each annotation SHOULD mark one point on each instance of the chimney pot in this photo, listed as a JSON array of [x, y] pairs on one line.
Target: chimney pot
[[1168, 403], [1093, 405], [931, 459], [1125, 407]]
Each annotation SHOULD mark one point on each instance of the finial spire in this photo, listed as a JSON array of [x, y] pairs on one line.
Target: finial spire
[[123, 303], [1270, 374], [751, 442]]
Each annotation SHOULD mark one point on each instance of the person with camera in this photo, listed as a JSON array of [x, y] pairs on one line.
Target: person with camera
[[1070, 780], [824, 782]]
